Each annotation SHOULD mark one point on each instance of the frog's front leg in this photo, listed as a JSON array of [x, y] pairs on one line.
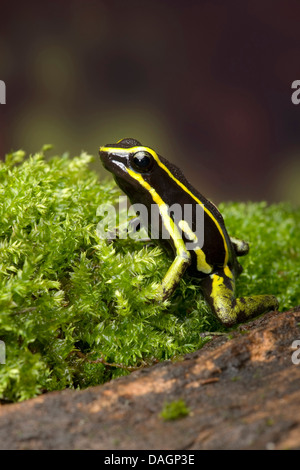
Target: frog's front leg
[[129, 228], [218, 290], [173, 275]]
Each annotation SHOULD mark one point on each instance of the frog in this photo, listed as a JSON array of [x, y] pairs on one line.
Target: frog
[[150, 179]]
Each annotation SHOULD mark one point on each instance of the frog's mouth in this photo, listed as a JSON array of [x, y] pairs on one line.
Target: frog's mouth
[[107, 155], [104, 157]]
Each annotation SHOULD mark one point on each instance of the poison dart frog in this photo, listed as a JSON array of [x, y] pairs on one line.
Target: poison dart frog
[[149, 179]]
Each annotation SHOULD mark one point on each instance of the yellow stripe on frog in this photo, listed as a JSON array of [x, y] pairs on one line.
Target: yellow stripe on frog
[[139, 148]]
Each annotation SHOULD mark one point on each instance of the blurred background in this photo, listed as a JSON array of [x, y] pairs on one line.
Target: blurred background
[[207, 84]]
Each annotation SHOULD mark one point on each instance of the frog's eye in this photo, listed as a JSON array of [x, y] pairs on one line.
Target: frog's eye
[[142, 161]]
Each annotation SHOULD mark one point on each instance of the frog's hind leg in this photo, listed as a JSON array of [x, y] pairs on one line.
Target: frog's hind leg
[[218, 290]]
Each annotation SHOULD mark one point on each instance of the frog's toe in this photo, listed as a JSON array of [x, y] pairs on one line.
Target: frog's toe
[[241, 248], [244, 308]]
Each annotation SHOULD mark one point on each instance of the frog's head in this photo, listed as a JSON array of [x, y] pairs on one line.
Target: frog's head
[[125, 155], [132, 164]]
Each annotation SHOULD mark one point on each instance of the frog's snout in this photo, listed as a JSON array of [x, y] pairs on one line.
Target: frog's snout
[[104, 156], [104, 152], [111, 159]]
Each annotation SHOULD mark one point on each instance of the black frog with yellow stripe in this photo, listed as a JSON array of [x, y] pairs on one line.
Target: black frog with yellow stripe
[[151, 180]]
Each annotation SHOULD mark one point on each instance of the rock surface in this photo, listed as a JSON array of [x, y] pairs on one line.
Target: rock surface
[[242, 390]]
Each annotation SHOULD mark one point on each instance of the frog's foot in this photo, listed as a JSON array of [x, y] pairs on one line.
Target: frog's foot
[[128, 229], [218, 290], [241, 248], [173, 275]]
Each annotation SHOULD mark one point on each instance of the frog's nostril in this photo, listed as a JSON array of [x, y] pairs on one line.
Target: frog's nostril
[[103, 155]]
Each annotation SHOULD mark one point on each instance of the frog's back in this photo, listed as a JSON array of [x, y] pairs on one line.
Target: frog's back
[[174, 188]]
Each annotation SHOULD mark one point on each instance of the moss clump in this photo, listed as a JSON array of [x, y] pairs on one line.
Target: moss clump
[[273, 263], [174, 410], [71, 304]]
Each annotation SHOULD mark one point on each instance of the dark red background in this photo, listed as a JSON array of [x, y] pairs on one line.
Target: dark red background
[[205, 83]]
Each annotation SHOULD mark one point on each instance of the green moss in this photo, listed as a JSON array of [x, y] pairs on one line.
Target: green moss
[[273, 263], [174, 410], [71, 304]]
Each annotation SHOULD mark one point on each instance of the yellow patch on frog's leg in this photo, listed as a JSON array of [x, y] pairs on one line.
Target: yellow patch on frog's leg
[[173, 275], [202, 265], [218, 290]]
